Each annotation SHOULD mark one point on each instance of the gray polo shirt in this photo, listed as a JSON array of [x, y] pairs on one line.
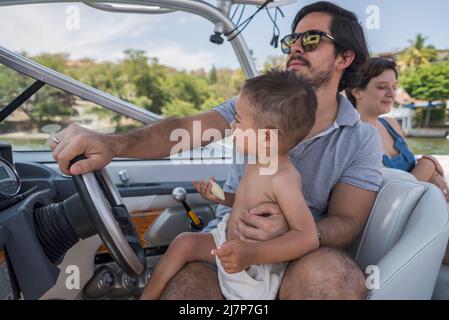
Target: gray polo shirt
[[349, 152]]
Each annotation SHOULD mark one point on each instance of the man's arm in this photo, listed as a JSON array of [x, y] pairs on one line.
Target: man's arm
[[153, 141], [150, 142], [349, 209], [352, 198]]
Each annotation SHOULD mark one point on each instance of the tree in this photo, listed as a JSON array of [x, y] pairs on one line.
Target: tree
[[417, 54], [137, 79], [50, 104], [55, 61], [186, 87], [213, 78], [429, 82], [179, 108], [210, 103], [278, 62], [11, 85], [147, 79]]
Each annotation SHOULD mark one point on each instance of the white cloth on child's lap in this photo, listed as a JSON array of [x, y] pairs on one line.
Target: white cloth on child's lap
[[259, 282]]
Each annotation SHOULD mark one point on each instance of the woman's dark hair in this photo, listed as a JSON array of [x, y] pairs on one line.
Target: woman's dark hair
[[373, 68], [346, 30]]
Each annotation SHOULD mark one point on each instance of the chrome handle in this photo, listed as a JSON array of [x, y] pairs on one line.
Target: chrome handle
[[124, 177]]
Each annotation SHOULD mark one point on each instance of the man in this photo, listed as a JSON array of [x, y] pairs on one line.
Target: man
[[339, 162]]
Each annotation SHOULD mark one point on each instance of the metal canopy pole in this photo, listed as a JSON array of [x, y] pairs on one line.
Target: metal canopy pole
[[110, 8]]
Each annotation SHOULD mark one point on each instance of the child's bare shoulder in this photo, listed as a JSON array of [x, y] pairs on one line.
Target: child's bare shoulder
[[286, 176]]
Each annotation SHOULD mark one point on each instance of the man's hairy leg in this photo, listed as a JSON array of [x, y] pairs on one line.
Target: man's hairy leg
[[323, 274], [196, 281]]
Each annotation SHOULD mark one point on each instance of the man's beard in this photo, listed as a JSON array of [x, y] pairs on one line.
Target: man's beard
[[321, 78], [317, 78]]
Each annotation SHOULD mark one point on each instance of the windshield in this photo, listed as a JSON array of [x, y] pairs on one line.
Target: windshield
[[166, 64]]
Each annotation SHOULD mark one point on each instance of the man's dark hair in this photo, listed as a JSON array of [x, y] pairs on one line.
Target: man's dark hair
[[373, 68], [283, 101], [346, 30]]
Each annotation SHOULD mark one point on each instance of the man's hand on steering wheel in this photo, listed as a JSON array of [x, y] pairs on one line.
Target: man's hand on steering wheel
[[75, 140], [265, 222]]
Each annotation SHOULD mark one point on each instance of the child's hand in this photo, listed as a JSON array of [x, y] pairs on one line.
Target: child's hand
[[204, 189], [235, 255]]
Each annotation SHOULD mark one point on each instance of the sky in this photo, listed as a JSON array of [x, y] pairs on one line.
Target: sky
[[181, 40]]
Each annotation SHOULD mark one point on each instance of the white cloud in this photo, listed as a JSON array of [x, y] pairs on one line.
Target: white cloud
[[102, 35], [42, 28], [173, 55]]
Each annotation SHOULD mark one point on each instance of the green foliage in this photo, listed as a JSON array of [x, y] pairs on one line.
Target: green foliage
[[228, 83], [56, 61], [430, 82], [439, 116], [213, 77], [179, 108], [50, 104], [136, 79], [277, 62], [417, 54], [146, 79], [210, 103], [11, 85], [194, 90]]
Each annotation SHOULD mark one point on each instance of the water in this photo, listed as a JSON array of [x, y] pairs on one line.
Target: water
[[26, 144], [429, 146]]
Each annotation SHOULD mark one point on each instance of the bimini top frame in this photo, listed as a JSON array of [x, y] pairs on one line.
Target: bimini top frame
[[217, 15]]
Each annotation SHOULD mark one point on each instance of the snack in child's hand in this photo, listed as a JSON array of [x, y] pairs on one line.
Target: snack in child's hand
[[217, 191]]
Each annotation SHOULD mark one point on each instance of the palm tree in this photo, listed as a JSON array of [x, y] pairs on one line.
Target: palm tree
[[417, 54]]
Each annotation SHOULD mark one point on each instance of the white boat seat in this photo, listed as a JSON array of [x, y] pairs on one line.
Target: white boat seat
[[405, 237], [441, 291]]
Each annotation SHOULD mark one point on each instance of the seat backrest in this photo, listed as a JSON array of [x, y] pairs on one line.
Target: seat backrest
[[405, 238]]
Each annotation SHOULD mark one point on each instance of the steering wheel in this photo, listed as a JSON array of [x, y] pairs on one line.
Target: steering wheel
[[111, 219]]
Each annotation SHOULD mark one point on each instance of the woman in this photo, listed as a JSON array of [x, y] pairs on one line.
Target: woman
[[373, 93]]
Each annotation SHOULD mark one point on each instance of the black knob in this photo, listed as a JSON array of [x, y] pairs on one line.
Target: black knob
[[216, 38], [100, 284]]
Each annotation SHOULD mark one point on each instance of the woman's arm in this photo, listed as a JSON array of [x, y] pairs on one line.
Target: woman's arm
[[424, 170], [437, 164], [441, 183]]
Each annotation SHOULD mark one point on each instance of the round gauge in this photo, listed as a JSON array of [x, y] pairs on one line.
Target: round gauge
[[9, 180]]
